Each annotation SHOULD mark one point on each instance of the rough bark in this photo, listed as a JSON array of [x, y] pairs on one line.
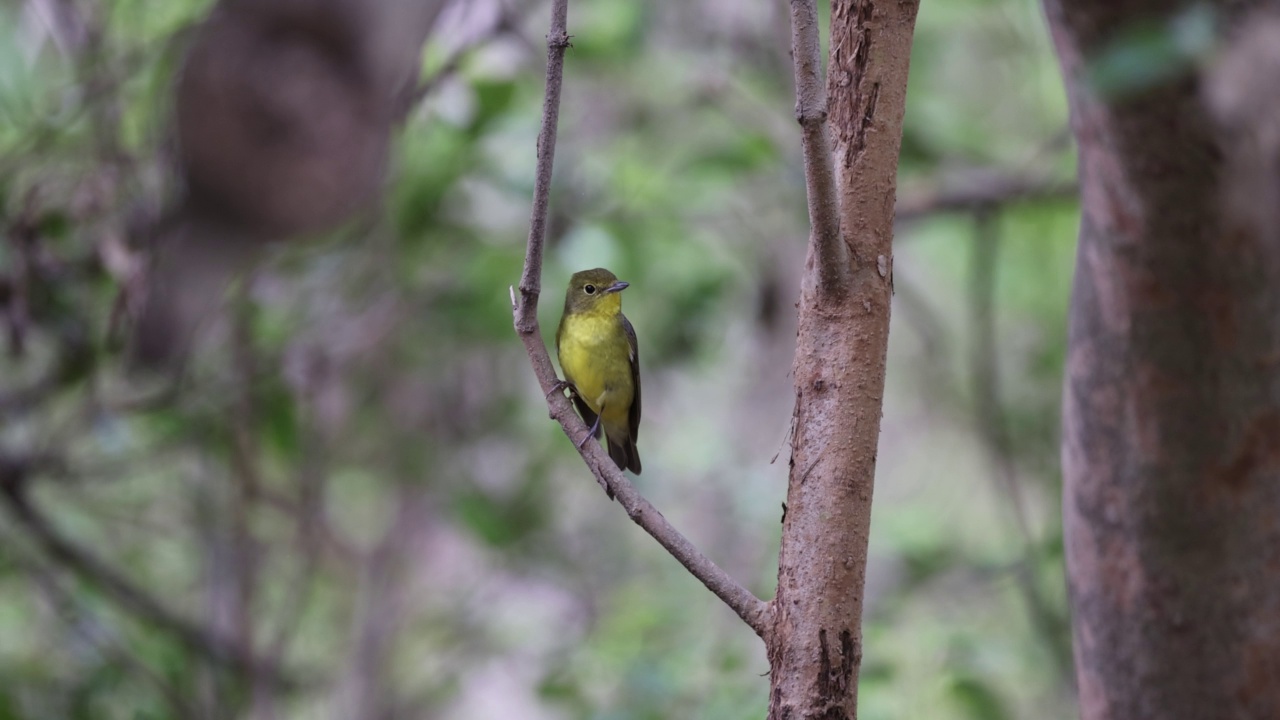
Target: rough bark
[[1171, 431], [815, 649]]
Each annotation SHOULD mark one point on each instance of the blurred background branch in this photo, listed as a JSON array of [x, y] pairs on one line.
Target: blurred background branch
[[978, 191], [993, 427], [16, 474]]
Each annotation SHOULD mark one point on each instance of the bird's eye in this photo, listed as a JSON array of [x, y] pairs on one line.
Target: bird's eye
[[590, 289]]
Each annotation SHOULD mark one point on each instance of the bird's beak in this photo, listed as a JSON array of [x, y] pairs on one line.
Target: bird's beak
[[617, 287]]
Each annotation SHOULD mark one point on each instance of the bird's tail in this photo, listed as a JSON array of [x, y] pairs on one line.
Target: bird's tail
[[624, 453]]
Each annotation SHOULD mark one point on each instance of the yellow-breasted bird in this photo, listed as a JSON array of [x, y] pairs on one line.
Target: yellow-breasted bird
[[601, 363]]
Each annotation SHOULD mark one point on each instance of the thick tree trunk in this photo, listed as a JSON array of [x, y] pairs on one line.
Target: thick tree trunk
[[815, 648], [1171, 432]]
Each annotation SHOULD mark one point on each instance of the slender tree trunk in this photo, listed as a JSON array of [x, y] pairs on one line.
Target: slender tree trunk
[[1171, 430], [815, 647]]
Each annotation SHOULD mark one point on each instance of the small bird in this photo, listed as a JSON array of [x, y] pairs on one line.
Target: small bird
[[597, 349]]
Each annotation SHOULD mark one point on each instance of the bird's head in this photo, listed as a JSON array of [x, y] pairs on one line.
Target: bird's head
[[594, 291]]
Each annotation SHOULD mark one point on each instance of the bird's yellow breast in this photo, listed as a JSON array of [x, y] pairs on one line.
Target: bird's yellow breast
[[596, 358]]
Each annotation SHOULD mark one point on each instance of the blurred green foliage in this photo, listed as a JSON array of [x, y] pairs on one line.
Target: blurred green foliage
[[358, 476]]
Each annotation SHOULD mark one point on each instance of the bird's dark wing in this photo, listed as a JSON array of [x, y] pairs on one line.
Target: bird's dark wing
[[634, 417], [588, 416]]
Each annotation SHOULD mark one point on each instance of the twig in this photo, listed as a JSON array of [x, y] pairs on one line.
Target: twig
[[976, 189], [751, 609], [819, 175], [531, 279], [14, 474]]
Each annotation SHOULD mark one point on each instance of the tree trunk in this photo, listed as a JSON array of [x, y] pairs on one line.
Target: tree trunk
[[1171, 428], [815, 647]]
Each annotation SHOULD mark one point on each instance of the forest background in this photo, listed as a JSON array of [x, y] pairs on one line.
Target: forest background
[[357, 479]]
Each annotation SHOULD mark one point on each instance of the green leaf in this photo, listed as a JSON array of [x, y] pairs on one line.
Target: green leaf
[[280, 419], [8, 706], [497, 522], [493, 99], [975, 699]]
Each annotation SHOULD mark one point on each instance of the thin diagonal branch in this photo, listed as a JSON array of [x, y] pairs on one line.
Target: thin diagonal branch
[[751, 609], [825, 248]]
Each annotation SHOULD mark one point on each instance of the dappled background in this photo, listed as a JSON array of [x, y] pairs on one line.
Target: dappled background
[[352, 503]]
